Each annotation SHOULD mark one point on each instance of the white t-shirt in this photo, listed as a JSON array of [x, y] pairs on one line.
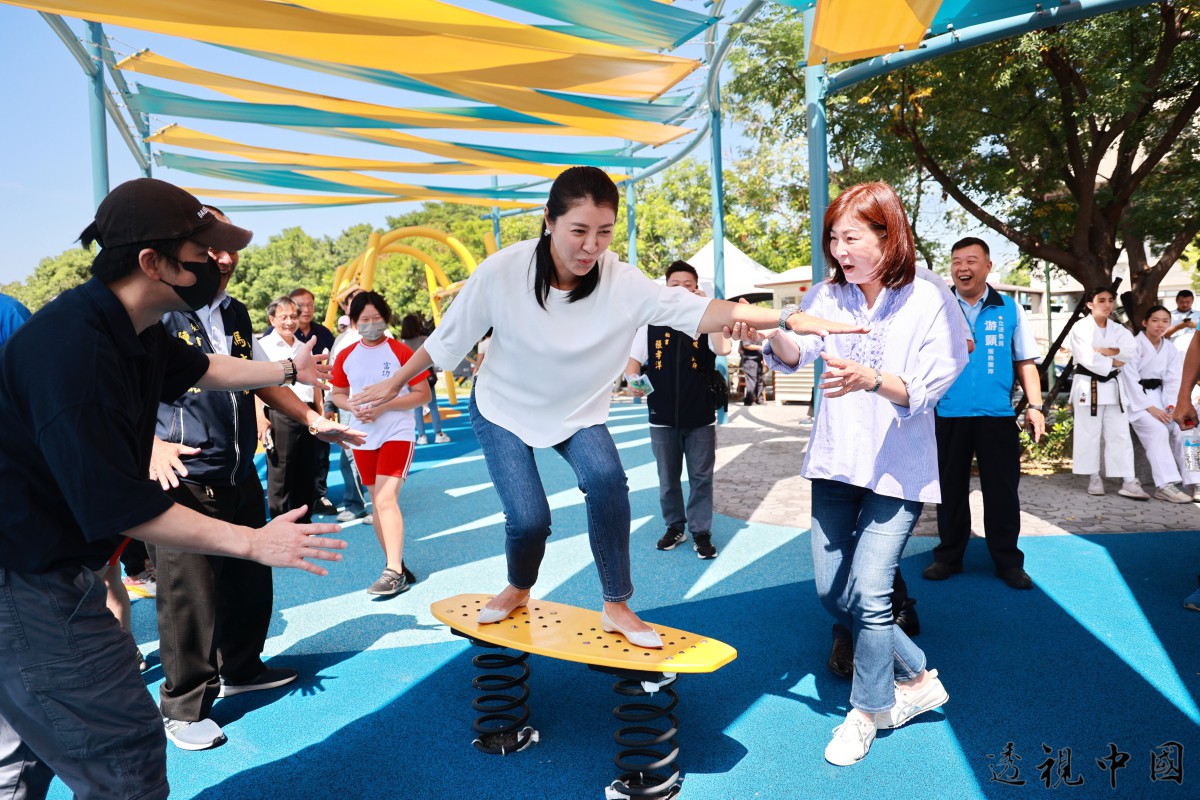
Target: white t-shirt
[[360, 365], [278, 350], [549, 372]]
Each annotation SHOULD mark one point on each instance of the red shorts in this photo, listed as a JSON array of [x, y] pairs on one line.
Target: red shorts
[[392, 460]]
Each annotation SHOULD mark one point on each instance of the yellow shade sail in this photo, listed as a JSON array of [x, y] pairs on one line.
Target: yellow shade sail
[[846, 30], [499, 62], [316, 200], [179, 136]]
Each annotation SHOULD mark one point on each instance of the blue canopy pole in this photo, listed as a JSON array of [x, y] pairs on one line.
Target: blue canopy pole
[[496, 215], [818, 172], [718, 213], [96, 116], [631, 215]]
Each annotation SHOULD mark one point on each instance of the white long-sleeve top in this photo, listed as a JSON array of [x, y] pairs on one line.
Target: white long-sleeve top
[[1085, 339], [549, 372], [918, 333], [1163, 363]]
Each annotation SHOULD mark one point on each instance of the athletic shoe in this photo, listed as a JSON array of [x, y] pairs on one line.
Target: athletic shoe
[[199, 735], [324, 507], [369, 519], [1132, 489], [671, 538], [349, 516], [269, 678], [912, 702], [703, 545], [1096, 485], [441, 438], [422, 440], [851, 741], [1172, 494], [389, 583]]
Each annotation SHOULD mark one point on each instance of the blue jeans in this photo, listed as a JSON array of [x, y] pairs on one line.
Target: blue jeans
[[670, 447], [593, 456], [434, 414], [857, 540]]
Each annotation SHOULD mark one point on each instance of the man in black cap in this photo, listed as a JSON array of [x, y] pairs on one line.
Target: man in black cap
[[74, 457]]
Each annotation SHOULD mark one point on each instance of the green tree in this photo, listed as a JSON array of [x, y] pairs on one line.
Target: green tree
[[53, 276], [1075, 142]]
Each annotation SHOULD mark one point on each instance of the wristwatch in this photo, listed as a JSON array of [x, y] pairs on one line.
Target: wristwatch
[[784, 313], [1041, 408], [289, 372]]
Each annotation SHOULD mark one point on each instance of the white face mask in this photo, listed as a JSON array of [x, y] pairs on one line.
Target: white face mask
[[372, 330]]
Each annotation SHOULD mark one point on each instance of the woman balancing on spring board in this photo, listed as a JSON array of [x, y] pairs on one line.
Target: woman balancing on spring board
[[565, 311]]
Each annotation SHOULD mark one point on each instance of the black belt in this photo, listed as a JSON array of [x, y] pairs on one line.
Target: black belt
[[1097, 378], [1150, 383]]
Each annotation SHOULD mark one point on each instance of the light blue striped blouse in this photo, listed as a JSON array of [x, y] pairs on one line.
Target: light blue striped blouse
[[917, 333]]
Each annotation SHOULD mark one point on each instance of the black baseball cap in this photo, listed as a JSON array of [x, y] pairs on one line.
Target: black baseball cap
[[147, 210]]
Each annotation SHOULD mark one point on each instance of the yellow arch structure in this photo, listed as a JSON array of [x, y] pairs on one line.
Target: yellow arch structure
[[359, 272]]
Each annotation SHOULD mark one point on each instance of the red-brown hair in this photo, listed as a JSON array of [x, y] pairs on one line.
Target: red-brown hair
[[878, 206]]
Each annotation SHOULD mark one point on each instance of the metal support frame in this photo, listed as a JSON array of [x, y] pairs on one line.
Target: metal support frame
[[631, 216], [89, 60], [96, 121], [818, 174]]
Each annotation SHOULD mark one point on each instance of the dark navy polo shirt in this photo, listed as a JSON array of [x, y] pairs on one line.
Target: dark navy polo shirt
[[79, 395]]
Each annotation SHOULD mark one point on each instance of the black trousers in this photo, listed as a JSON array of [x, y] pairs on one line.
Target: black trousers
[[291, 466], [213, 611], [994, 443], [752, 372], [321, 470]]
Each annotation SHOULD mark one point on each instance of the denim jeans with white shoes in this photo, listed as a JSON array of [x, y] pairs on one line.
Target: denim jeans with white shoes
[[858, 537], [597, 465]]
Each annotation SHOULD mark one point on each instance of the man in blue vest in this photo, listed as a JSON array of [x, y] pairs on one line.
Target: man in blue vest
[[975, 420]]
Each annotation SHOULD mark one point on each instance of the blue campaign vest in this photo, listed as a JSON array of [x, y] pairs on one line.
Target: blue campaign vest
[[984, 388]]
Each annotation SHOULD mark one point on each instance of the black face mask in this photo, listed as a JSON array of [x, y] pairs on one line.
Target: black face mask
[[204, 290]]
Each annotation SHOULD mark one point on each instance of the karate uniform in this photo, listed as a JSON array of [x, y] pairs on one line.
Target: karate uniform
[[1163, 443], [1102, 417]]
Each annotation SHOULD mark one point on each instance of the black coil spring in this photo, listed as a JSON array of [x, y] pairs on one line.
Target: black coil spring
[[650, 746], [502, 717]]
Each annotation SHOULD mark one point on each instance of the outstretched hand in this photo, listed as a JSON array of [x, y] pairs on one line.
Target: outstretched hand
[[284, 543], [809, 325], [332, 431], [311, 368], [166, 466], [374, 395]]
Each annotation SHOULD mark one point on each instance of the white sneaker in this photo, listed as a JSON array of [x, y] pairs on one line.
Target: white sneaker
[[911, 702], [199, 735], [1096, 485], [1172, 494], [441, 438], [851, 741], [422, 440], [1133, 489]]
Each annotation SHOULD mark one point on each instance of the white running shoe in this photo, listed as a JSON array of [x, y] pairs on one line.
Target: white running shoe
[[911, 702], [1172, 494], [441, 438], [1096, 485], [1133, 489], [851, 741]]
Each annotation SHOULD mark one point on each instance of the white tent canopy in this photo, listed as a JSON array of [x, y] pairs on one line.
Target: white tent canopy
[[742, 273]]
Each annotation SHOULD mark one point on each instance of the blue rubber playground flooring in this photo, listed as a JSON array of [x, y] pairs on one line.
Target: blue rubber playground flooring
[[1088, 679]]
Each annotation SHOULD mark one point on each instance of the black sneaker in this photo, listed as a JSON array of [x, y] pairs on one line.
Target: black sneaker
[[389, 583], [672, 537], [703, 545], [269, 678], [409, 577]]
